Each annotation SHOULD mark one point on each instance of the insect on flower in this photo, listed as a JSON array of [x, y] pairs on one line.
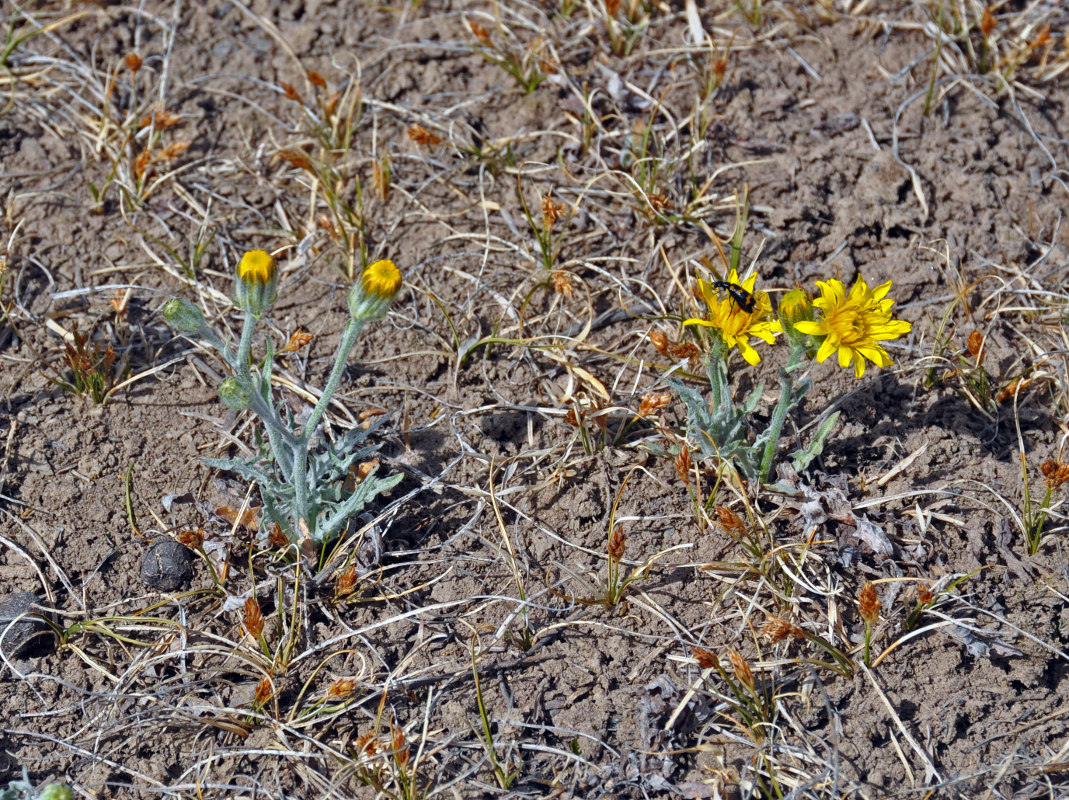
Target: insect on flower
[[743, 298]]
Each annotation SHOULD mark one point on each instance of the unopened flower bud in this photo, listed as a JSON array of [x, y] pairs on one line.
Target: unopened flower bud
[[794, 307], [257, 283], [184, 316], [372, 294], [233, 394]]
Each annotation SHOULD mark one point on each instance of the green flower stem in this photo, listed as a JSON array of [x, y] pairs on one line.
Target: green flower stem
[[300, 466], [241, 360], [283, 443], [718, 375], [348, 339], [779, 415]]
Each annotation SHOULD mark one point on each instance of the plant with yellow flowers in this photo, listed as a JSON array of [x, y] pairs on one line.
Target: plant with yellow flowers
[[306, 482], [848, 324]]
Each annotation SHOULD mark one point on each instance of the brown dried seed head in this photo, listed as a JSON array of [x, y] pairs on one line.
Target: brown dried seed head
[[684, 350], [133, 62], [142, 162], [174, 150], [551, 212], [160, 119], [987, 21], [562, 283], [720, 68], [1055, 473], [263, 691], [868, 603], [1043, 38], [276, 538], [298, 339], [683, 464], [191, 537], [777, 629], [254, 618], [705, 659], [294, 158], [366, 743], [924, 595], [571, 419], [659, 202], [653, 402], [729, 520], [346, 583], [660, 342], [400, 746], [290, 92], [480, 33], [975, 345], [423, 137], [316, 79], [617, 543], [742, 670], [612, 6], [342, 687]]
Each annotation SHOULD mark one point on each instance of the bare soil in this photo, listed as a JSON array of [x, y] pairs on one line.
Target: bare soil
[[498, 532]]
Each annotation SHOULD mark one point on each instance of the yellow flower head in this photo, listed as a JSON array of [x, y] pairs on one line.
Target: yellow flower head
[[257, 284], [733, 321], [256, 266], [852, 324], [371, 295], [382, 278]]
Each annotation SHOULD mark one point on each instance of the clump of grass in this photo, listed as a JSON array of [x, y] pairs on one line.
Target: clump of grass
[[527, 64], [92, 368], [1034, 515]]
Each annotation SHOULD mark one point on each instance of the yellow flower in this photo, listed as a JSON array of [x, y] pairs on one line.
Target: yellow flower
[[256, 266], [382, 278], [257, 284], [371, 295], [732, 320], [853, 323]]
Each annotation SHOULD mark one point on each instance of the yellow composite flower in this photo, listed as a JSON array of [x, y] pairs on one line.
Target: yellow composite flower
[[382, 278], [257, 284], [256, 267], [853, 323], [371, 295], [733, 321]]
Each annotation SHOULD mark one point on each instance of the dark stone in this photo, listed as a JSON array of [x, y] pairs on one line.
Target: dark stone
[[16, 635], [167, 566]]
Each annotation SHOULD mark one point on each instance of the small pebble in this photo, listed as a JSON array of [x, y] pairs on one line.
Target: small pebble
[[16, 637], [167, 566]]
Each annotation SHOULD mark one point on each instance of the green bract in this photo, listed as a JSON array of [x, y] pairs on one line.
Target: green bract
[[305, 480]]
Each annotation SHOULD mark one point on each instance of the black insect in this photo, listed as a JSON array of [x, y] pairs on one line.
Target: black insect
[[743, 299]]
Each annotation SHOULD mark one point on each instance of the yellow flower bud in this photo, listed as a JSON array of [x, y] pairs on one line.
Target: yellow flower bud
[[371, 295], [257, 284], [794, 307]]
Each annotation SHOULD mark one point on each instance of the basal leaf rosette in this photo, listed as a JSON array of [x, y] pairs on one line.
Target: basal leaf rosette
[[733, 323], [852, 324]]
